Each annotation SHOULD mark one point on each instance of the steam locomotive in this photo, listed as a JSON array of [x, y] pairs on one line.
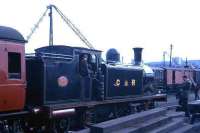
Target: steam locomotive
[[42, 92]]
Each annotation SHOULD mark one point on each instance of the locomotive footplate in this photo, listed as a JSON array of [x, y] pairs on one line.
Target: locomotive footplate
[[13, 115], [160, 97], [70, 108], [194, 109]]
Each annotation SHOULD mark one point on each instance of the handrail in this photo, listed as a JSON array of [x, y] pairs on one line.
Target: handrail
[[53, 54]]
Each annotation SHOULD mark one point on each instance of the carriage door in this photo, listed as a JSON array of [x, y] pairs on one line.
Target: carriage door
[[173, 79], [12, 89]]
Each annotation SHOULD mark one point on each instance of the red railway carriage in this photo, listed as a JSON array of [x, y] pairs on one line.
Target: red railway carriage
[[12, 70], [172, 77]]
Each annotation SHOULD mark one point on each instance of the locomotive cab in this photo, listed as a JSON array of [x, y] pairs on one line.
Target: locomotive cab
[[53, 75], [12, 70]]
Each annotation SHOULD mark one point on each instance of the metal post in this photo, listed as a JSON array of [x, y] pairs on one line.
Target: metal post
[[50, 26], [164, 58], [186, 62], [170, 63]]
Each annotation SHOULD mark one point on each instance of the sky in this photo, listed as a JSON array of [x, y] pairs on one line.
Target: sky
[[121, 24]]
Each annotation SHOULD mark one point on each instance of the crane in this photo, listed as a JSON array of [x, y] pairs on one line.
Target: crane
[[65, 19]]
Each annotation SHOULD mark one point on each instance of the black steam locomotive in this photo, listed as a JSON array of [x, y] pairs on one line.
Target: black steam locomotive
[[55, 96]]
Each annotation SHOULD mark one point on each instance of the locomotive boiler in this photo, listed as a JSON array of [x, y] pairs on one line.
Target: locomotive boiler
[[45, 92]]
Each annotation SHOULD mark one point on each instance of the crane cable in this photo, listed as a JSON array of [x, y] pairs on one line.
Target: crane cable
[[74, 28], [36, 25], [67, 21]]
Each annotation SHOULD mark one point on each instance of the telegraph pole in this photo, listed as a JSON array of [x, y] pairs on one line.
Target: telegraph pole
[[170, 62], [164, 53], [186, 63], [50, 26]]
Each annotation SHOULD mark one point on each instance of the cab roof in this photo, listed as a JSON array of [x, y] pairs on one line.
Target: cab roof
[[10, 34]]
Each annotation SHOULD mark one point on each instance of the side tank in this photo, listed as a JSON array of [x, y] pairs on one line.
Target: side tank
[[122, 81]]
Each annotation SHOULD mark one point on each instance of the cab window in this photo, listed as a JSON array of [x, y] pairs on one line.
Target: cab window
[[93, 58], [14, 65]]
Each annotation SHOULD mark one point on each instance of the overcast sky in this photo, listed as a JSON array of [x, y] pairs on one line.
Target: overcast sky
[[122, 24]]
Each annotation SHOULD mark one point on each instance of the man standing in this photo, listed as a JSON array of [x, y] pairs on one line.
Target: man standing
[[85, 77], [195, 88], [84, 65], [183, 95], [196, 92]]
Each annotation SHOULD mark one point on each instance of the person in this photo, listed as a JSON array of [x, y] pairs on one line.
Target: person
[[195, 88], [85, 77], [183, 95], [196, 92], [84, 71]]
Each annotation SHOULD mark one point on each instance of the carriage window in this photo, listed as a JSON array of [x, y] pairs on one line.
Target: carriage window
[[14, 65]]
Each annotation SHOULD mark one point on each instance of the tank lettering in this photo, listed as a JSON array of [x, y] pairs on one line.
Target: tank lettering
[[117, 83], [126, 83], [133, 82]]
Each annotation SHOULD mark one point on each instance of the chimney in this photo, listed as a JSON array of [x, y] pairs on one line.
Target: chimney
[[137, 56]]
